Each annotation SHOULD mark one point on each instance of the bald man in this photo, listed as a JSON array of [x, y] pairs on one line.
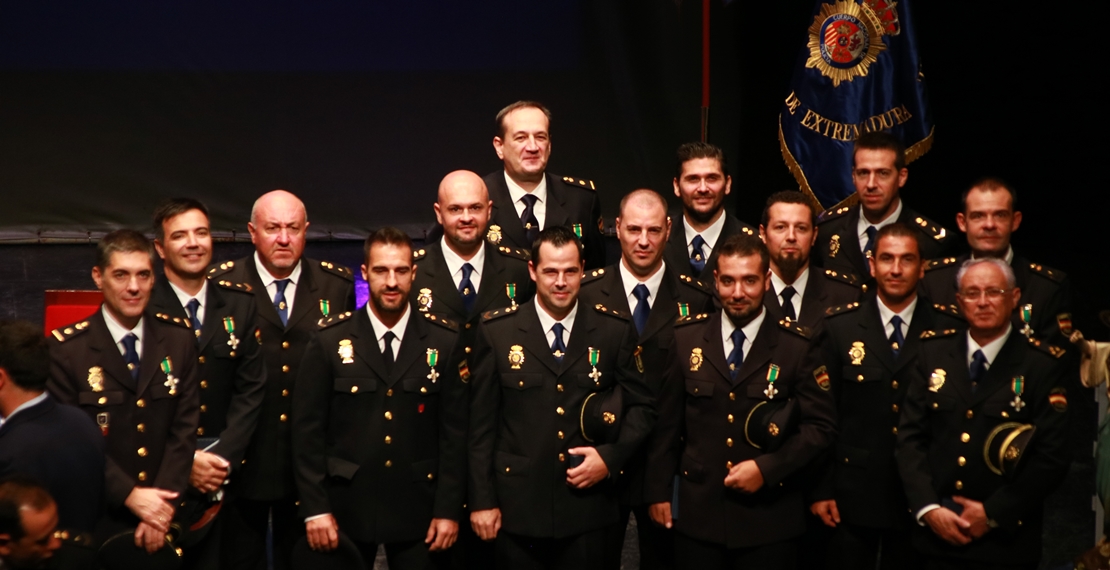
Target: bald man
[[292, 294], [655, 294]]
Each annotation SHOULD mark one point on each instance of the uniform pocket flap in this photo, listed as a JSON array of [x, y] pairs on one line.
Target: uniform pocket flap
[[338, 467], [422, 385], [940, 402], [852, 456], [511, 465], [692, 470], [521, 381], [355, 385], [699, 388], [426, 470], [856, 374], [112, 398]]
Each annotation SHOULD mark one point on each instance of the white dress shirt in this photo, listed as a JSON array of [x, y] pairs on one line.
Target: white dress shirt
[[799, 286], [547, 322], [118, 331], [863, 224], [517, 194], [750, 330], [710, 235], [271, 289], [630, 282], [201, 297], [455, 264], [885, 314], [398, 329]]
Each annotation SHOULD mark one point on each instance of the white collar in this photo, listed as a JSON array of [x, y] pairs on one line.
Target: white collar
[[516, 192], [184, 297], [268, 279], [991, 350], [455, 263], [799, 283], [29, 403], [885, 314], [750, 330], [630, 282], [398, 329], [710, 235], [118, 331], [547, 321], [863, 224]]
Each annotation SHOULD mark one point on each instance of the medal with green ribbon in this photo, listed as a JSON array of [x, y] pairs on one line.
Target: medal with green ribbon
[[1018, 386], [229, 326], [171, 381], [325, 307], [684, 309], [577, 230], [510, 292], [772, 375], [1027, 317], [595, 355], [433, 358]]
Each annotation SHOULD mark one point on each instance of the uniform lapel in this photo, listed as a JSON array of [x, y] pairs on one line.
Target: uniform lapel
[[676, 254], [957, 374], [412, 347], [439, 270], [534, 338], [582, 331], [265, 303], [922, 321], [504, 211], [153, 354], [213, 317], [715, 347], [305, 301], [556, 210], [365, 342], [850, 245], [813, 300], [873, 334], [1002, 369], [664, 309], [108, 355], [759, 355]]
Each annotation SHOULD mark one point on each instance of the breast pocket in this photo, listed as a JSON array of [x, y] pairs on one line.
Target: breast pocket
[[861, 374], [422, 386], [699, 388], [100, 399], [521, 381], [354, 385]]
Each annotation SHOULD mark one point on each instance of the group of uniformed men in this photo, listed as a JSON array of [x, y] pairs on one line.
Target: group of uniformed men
[[736, 387]]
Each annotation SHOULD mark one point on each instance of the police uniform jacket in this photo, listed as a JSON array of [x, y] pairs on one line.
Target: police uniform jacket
[[570, 201], [324, 289], [230, 372], [525, 416], [870, 384], [714, 409], [382, 448], [944, 428], [678, 295], [839, 247], [825, 288], [150, 424], [677, 254]]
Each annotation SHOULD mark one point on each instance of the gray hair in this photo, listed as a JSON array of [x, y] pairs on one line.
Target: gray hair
[[1008, 271]]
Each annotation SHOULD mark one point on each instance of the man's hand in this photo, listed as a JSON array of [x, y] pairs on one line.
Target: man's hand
[[827, 512], [209, 471], [323, 533], [948, 525], [486, 523], [152, 506], [974, 515], [660, 514], [149, 538], [441, 534], [592, 470], [745, 476]]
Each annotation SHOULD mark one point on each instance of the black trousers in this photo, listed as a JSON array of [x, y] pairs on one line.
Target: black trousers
[[407, 555], [656, 544], [243, 541], [579, 552], [694, 554], [469, 551], [955, 564], [855, 546]]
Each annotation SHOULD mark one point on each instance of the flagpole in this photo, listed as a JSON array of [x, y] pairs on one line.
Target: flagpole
[[705, 70]]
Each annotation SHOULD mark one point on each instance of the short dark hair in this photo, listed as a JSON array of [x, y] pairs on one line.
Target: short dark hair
[[16, 493], [122, 241], [556, 236], [788, 197], [174, 207], [694, 150], [24, 354], [989, 184], [743, 245], [898, 229], [385, 236], [500, 119], [879, 140]]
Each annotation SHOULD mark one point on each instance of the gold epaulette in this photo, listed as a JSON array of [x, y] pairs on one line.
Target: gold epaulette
[[587, 184], [696, 283], [71, 331], [939, 263], [418, 254], [1046, 271], [179, 321], [445, 323], [337, 269], [843, 277], [592, 275], [838, 309], [950, 310], [490, 315], [938, 334], [691, 319], [931, 228], [612, 312], [748, 230], [326, 322], [217, 270], [833, 213], [514, 252], [1050, 349], [794, 327], [230, 286]]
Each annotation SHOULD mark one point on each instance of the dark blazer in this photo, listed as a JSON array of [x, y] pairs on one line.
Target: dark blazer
[[936, 462], [860, 473], [233, 378], [62, 449], [605, 287], [383, 449], [713, 408], [267, 472], [825, 288], [838, 243], [502, 265], [677, 255], [523, 421], [151, 424]]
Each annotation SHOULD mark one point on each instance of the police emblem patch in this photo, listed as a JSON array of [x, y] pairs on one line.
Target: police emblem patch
[[844, 40]]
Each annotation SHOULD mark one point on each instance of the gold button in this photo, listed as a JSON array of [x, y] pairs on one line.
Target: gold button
[[559, 410], [961, 461], [389, 415], [521, 383], [200, 431], [894, 430], [970, 414], [560, 435], [142, 475], [200, 359], [468, 350], [140, 428], [285, 368], [728, 465], [894, 385], [732, 395], [203, 384], [388, 463], [959, 485], [102, 400], [730, 418], [283, 418], [728, 442], [562, 458], [354, 389], [935, 405], [389, 392], [142, 452], [140, 402], [423, 390], [965, 437], [285, 393], [894, 408], [431, 476], [558, 387], [232, 354], [845, 460], [388, 440], [1005, 414], [506, 470], [285, 344], [203, 408], [859, 378], [467, 325]]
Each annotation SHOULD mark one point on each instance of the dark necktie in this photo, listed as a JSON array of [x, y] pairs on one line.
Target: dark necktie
[[736, 357], [897, 339], [192, 307], [558, 348], [466, 288], [869, 247], [640, 314], [788, 303], [280, 305], [697, 255], [528, 219], [387, 350], [978, 369], [130, 355]]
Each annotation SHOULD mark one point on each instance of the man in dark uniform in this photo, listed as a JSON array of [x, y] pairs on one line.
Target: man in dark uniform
[[55, 444], [527, 199], [845, 234], [796, 291], [975, 481], [539, 483], [292, 294], [701, 182], [871, 350], [738, 506], [232, 377], [989, 218], [642, 285], [379, 438], [134, 374]]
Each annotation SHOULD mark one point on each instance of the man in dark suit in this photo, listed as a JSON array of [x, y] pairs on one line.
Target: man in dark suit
[[871, 350], [540, 475], [134, 374], [222, 315], [975, 481], [54, 444], [28, 519], [379, 438], [292, 293], [798, 292], [845, 234], [738, 506], [642, 285], [528, 199], [701, 182], [989, 218]]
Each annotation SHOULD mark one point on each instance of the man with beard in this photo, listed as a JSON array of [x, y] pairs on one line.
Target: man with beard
[[701, 182], [379, 438], [755, 410], [796, 292], [28, 517]]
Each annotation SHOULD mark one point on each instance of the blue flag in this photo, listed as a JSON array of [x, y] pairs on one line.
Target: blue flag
[[859, 72]]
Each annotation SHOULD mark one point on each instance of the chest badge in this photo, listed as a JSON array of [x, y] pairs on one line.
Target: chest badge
[[856, 353], [772, 376], [432, 356], [232, 341], [1027, 317], [834, 245], [696, 359], [171, 380], [325, 307], [595, 357], [424, 299], [516, 356], [96, 379], [494, 234], [1018, 387], [936, 380], [510, 292], [346, 351]]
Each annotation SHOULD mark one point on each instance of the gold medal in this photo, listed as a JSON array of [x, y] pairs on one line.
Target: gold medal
[[424, 299], [856, 353], [834, 246], [494, 234], [346, 351], [516, 356], [696, 359], [936, 380], [96, 379]]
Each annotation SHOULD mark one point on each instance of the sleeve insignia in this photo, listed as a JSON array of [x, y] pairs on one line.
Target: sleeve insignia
[[464, 372], [821, 375], [337, 269], [1063, 320], [1058, 398], [587, 184]]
